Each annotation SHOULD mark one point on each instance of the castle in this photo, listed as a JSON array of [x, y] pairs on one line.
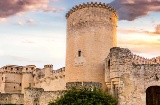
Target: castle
[[92, 60]]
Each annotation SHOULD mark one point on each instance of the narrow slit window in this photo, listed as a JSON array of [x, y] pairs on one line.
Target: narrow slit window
[[109, 64], [79, 53]]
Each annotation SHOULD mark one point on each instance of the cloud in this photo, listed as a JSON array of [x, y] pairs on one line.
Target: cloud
[[148, 47], [156, 33], [20, 14], [62, 9], [133, 9], [20, 23], [30, 21], [50, 9], [28, 41], [3, 19], [22, 59], [12, 7]]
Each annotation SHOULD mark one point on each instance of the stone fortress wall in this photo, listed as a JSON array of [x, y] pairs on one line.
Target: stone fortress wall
[[53, 80], [127, 80], [90, 28], [37, 96], [14, 98], [14, 79]]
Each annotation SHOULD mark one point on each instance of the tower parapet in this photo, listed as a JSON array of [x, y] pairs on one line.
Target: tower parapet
[[48, 66], [92, 4], [92, 15], [48, 70]]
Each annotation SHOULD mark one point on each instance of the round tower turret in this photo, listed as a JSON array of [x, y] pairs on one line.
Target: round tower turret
[[91, 32], [48, 70], [27, 76]]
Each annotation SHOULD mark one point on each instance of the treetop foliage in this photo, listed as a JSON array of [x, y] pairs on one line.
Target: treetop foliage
[[85, 96]]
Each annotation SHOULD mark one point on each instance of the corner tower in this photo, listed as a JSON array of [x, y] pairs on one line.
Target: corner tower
[[91, 32]]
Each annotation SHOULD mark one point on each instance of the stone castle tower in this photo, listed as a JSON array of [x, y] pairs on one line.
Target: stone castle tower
[[91, 32], [48, 70], [27, 77]]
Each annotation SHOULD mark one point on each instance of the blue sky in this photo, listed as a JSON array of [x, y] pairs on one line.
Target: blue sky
[[34, 31]]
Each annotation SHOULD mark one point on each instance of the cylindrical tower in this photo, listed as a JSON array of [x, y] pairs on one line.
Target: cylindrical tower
[[27, 77], [48, 70], [91, 32]]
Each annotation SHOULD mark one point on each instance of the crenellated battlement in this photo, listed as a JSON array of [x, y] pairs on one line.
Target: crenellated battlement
[[87, 15], [135, 59], [59, 70], [55, 74], [11, 69], [48, 66], [141, 60], [28, 68], [92, 4], [60, 73]]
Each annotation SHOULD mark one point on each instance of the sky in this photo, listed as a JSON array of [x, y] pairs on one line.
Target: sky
[[33, 32]]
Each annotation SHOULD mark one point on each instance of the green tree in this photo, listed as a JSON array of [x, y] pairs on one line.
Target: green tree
[[84, 96]]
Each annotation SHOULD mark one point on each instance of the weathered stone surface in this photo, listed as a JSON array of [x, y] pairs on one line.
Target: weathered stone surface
[[133, 78], [14, 98]]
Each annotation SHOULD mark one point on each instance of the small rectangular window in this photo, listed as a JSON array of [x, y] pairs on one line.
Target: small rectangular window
[[79, 53]]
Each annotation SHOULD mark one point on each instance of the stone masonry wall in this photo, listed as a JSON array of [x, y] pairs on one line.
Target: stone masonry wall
[[55, 80], [14, 98], [48, 96], [127, 80], [37, 96]]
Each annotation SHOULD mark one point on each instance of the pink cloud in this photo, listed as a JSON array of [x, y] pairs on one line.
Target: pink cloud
[[133, 9], [20, 23], [30, 21], [62, 9], [156, 33], [50, 9], [3, 19], [12, 7]]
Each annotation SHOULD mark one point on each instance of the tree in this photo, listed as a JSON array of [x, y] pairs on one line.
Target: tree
[[85, 96]]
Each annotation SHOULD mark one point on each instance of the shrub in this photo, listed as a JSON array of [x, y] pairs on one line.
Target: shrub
[[84, 96]]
